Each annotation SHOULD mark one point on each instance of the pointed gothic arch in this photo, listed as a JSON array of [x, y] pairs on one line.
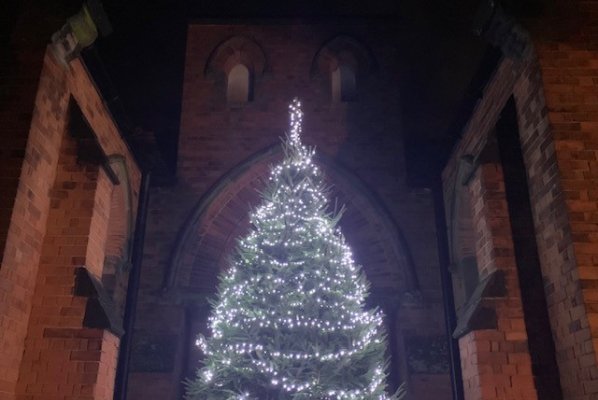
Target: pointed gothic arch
[[239, 49], [221, 216], [235, 64], [344, 61], [343, 49]]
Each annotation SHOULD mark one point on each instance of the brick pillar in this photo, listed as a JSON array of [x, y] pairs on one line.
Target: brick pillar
[[62, 359], [568, 60], [27, 208], [496, 362], [19, 79]]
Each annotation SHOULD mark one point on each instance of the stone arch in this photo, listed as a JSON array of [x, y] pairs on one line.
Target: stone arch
[[117, 260], [343, 50], [220, 216], [239, 49], [461, 235]]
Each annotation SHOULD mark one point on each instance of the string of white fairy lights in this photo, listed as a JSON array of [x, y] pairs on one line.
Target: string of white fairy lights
[[298, 208]]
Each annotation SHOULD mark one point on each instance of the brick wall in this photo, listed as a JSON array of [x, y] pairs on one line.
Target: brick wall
[[496, 362], [46, 234], [554, 90], [20, 67], [27, 225], [19, 84], [363, 137], [568, 59], [56, 346]]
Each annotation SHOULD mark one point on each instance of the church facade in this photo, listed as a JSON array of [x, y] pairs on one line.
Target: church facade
[[487, 282], [239, 80]]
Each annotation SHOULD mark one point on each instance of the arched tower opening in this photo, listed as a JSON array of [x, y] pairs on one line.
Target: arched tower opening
[[209, 237]]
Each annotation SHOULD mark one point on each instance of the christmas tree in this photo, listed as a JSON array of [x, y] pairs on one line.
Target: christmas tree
[[289, 320]]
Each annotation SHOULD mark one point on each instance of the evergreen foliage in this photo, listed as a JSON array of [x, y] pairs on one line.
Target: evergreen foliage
[[289, 321]]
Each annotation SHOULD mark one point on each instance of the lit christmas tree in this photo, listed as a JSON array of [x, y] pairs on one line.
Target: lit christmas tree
[[289, 321]]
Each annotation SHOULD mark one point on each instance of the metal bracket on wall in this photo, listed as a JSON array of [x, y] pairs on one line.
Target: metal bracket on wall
[[478, 311], [100, 311]]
